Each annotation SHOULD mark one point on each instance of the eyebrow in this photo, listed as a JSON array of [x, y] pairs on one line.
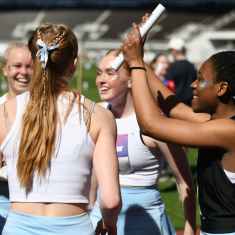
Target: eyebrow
[[98, 69], [110, 70]]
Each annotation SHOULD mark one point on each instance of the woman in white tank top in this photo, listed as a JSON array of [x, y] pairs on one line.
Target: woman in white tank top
[[139, 162], [51, 139]]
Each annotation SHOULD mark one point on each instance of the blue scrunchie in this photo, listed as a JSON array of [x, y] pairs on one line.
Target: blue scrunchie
[[43, 51]]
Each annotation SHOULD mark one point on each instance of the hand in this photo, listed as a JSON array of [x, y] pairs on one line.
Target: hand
[[102, 229], [167, 104], [144, 19], [133, 48], [189, 231]]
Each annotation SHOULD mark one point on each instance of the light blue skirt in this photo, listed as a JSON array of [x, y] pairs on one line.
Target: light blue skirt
[[4, 209], [143, 213], [25, 224]]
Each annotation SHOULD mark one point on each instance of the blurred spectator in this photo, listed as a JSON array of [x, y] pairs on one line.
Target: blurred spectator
[[160, 66], [17, 70], [181, 71]]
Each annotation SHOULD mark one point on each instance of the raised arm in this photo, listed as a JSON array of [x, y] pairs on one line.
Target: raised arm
[[211, 133], [106, 167], [177, 160], [180, 110]]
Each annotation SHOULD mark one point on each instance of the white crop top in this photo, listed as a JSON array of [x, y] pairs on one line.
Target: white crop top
[[137, 164], [68, 179], [3, 169]]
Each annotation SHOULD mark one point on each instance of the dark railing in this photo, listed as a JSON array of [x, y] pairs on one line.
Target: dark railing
[[175, 4]]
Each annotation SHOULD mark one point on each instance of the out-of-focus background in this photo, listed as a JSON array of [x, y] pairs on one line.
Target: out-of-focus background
[[206, 26]]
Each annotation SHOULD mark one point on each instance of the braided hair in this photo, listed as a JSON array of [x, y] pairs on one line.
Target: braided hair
[[224, 67], [53, 48]]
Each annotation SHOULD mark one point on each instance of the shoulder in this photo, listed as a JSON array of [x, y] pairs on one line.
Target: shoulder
[[102, 115], [103, 104], [186, 63], [224, 132], [101, 120], [3, 99], [7, 115]]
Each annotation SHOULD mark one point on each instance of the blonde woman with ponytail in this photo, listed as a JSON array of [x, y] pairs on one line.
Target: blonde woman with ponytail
[[51, 138]]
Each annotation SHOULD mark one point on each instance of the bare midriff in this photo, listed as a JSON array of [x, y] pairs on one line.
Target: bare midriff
[[49, 209]]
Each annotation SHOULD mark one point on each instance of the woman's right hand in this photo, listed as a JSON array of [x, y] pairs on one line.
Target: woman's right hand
[[103, 229], [132, 48]]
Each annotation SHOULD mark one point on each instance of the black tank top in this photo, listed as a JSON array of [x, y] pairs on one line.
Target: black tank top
[[216, 192]]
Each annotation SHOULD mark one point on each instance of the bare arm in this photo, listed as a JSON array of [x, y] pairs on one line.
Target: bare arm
[[93, 190], [177, 160], [106, 166], [181, 110], [218, 132], [1, 159]]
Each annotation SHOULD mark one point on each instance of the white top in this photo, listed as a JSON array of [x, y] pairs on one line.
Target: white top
[[230, 175], [138, 166], [68, 179], [3, 170]]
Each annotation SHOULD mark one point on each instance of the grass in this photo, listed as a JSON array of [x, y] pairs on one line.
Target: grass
[[171, 197]]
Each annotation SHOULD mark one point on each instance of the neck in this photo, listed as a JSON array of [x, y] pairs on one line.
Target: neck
[[180, 57], [123, 107], [11, 94], [224, 111]]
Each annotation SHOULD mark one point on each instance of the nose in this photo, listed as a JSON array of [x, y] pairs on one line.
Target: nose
[[23, 70], [26, 71], [101, 78]]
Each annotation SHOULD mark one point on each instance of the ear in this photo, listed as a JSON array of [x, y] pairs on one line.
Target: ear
[[75, 62], [222, 88], [73, 65]]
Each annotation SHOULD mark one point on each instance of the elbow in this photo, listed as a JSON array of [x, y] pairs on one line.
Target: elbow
[[112, 204], [145, 124], [147, 128]]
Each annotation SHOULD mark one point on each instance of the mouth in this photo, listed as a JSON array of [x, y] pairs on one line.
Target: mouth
[[103, 89], [23, 81]]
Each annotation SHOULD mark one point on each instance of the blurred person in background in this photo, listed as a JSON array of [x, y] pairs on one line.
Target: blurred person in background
[[160, 65], [51, 139], [139, 157], [17, 70], [181, 71]]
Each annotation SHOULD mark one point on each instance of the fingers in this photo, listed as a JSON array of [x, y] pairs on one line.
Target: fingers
[[145, 17], [133, 37], [100, 230]]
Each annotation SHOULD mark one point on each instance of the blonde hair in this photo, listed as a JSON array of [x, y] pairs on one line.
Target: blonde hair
[[11, 46], [39, 129]]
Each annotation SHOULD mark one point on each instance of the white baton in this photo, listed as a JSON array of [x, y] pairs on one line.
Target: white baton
[[143, 30]]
